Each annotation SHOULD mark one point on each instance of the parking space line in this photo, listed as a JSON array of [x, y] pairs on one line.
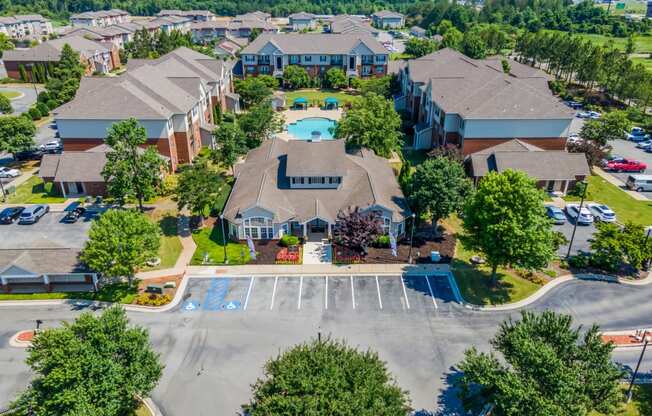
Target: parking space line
[[271, 305], [251, 285], [407, 302], [326, 294], [431, 293], [300, 288], [352, 292], [380, 300]]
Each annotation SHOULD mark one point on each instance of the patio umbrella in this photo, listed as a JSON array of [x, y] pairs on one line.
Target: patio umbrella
[[332, 102], [300, 102]]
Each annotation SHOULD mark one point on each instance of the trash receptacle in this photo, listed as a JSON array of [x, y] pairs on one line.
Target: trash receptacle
[[435, 256]]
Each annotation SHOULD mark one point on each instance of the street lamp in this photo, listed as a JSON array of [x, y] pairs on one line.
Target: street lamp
[[646, 260], [226, 259], [647, 339], [411, 238], [570, 244]]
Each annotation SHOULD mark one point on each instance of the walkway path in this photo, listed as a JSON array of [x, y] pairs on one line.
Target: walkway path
[[317, 253], [615, 181]]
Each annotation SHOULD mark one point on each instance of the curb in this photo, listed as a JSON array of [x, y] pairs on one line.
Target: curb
[[152, 407], [14, 342]]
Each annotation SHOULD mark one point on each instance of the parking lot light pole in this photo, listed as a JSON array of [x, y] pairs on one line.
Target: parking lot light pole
[[411, 238], [570, 244], [646, 339], [226, 259], [646, 260]]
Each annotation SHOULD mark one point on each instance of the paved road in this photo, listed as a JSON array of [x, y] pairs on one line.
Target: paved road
[[22, 104], [49, 232], [213, 354], [628, 150]]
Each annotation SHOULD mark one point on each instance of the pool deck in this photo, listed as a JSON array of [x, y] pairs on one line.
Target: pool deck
[[292, 116]]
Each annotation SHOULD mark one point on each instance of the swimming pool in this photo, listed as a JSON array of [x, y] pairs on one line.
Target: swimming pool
[[312, 128]]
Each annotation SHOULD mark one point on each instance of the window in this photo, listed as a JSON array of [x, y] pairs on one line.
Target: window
[[380, 69], [386, 225], [251, 69], [323, 58], [381, 58], [259, 228], [264, 69], [250, 58], [399, 229], [294, 59], [263, 59], [307, 58]]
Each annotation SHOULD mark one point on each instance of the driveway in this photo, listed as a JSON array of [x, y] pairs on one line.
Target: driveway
[[49, 232], [582, 235], [628, 150], [23, 103]]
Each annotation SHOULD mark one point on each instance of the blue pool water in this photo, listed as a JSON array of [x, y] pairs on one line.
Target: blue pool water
[[304, 128]]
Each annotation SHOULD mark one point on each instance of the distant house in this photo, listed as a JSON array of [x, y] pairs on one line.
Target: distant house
[[351, 25], [218, 29], [257, 15], [115, 34], [473, 104], [554, 170], [357, 55], [418, 32], [97, 57], [26, 26], [302, 21], [100, 18], [76, 173], [386, 19], [299, 188], [194, 15]]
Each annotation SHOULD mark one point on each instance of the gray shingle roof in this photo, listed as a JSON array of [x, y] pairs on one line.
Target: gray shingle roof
[[387, 14], [309, 43], [74, 166], [262, 180], [301, 16], [40, 261], [50, 51]]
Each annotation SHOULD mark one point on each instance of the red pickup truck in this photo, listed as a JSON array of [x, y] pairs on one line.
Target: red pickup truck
[[626, 165]]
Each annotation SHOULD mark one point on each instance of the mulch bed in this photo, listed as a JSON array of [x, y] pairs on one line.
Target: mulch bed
[[265, 251]]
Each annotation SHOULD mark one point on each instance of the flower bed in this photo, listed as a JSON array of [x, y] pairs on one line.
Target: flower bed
[[343, 255], [289, 255]]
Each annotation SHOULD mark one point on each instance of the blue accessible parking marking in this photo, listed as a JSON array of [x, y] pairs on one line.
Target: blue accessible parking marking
[[216, 294], [190, 306], [231, 305]]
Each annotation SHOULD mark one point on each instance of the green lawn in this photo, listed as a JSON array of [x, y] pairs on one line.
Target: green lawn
[[313, 95], [210, 241], [642, 43], [474, 281], [631, 6], [11, 94], [625, 207], [170, 243], [35, 191], [395, 56], [641, 404], [647, 62], [118, 292]]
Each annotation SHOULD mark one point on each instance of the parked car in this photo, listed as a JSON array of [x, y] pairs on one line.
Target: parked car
[[11, 214], [51, 147], [30, 154], [555, 214], [594, 115], [33, 214], [574, 138], [72, 216], [583, 217], [637, 134], [639, 183], [626, 165], [601, 212], [643, 144], [573, 104], [6, 172]]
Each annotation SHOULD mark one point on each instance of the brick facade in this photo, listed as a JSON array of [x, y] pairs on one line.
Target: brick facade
[[548, 143]]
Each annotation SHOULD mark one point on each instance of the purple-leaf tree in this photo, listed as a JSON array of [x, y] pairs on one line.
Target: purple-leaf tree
[[356, 230]]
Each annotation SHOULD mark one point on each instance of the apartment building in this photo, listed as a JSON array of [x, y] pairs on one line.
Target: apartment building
[[97, 57], [302, 21], [117, 35], [172, 97], [351, 25], [101, 18], [219, 29], [357, 55], [474, 104], [387, 19], [194, 15], [26, 26]]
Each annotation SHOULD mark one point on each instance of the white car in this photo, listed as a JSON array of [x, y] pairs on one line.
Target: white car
[[589, 114], [51, 146], [574, 138], [601, 212], [581, 217], [9, 173]]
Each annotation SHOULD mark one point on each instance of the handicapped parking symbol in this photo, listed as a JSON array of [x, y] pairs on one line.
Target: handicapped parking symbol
[[231, 305], [190, 306]]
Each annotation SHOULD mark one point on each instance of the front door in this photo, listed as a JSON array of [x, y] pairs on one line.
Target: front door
[[352, 63], [279, 62]]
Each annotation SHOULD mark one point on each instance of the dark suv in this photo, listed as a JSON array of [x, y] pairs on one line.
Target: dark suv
[[11, 214]]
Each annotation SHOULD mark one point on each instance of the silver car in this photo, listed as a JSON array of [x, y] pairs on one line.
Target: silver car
[[33, 214]]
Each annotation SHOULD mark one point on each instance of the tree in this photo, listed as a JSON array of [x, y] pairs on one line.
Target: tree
[[378, 85], [270, 81], [452, 39], [594, 153], [231, 143], [260, 123], [371, 122], [119, 242], [198, 188], [356, 230], [613, 246], [505, 220], [5, 44], [473, 45], [419, 47], [5, 105], [252, 91], [550, 369], [309, 379], [63, 81], [97, 365], [16, 134], [295, 77], [131, 171], [610, 126], [255, 32], [336, 78], [438, 187]]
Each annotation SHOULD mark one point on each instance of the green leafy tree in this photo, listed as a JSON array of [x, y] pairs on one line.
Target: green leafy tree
[[130, 170], [438, 187], [295, 77], [22, 73], [63, 83], [252, 91], [5, 44], [371, 122], [505, 220], [16, 134], [231, 144], [473, 44], [255, 32], [452, 39], [419, 47], [97, 365], [378, 85], [5, 105], [613, 246], [260, 123], [610, 126], [309, 379], [336, 78], [198, 188], [444, 26], [120, 242], [549, 368], [270, 81]]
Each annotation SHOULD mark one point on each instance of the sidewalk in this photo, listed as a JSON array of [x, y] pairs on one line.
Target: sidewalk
[[633, 338], [316, 269], [615, 181]]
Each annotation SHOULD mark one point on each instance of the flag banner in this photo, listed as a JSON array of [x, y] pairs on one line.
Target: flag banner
[[252, 248], [392, 244]]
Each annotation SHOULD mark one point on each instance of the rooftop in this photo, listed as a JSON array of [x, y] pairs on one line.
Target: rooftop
[[50, 51], [316, 43]]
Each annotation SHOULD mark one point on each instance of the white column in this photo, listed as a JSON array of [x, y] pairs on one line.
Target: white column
[[329, 230], [566, 187], [95, 281], [4, 281], [305, 230]]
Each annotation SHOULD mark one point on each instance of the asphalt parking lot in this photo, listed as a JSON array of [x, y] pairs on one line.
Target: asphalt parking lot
[[49, 232], [582, 236], [628, 150], [305, 294]]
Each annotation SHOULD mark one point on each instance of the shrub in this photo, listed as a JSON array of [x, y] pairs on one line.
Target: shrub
[[579, 261], [34, 113], [43, 109], [169, 185], [153, 299], [52, 104], [5, 105], [285, 256], [550, 273], [43, 97], [382, 241], [228, 117], [289, 240]]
